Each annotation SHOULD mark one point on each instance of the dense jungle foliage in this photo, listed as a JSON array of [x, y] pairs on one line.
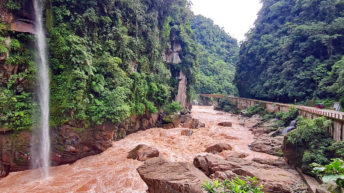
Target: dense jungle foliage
[[105, 59], [316, 143], [295, 51], [218, 53]]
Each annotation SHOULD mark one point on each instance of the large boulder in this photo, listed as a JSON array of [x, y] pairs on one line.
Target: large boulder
[[188, 122], [218, 148], [162, 176], [225, 124], [187, 132], [274, 179], [209, 164], [292, 153], [267, 144], [143, 152]]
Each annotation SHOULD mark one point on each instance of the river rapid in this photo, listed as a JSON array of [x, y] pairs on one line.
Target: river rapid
[[111, 171]]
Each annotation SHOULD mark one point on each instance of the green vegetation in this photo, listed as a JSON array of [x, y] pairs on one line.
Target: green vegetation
[[235, 185], [334, 171], [295, 51], [218, 53], [319, 147], [172, 108], [255, 110], [287, 117], [105, 59], [226, 105], [16, 81]]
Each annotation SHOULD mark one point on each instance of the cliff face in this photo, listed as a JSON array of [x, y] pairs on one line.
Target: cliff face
[[114, 65], [20, 20], [69, 143]]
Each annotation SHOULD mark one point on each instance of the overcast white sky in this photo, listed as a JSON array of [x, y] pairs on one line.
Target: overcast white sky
[[235, 16]]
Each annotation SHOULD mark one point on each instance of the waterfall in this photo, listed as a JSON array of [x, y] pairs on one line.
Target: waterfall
[[41, 153]]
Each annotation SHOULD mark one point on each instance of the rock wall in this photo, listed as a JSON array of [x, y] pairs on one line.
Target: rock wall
[[182, 96], [20, 21], [336, 129], [69, 143], [172, 55]]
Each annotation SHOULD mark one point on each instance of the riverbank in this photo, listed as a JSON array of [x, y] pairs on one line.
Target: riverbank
[[111, 171]]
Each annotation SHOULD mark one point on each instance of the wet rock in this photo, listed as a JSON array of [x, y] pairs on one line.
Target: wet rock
[[68, 142], [273, 187], [292, 153], [277, 162], [218, 148], [143, 152], [209, 164], [237, 155], [187, 132], [188, 122], [223, 175], [71, 149], [4, 170], [273, 178], [267, 144], [225, 124], [171, 121], [245, 171], [167, 177]]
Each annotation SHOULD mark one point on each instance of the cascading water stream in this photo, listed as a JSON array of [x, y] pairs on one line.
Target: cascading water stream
[[41, 156]]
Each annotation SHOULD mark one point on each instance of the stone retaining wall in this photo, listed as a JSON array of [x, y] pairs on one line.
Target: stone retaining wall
[[336, 129]]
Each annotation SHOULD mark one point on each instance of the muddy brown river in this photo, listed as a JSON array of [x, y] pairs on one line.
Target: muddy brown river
[[111, 171]]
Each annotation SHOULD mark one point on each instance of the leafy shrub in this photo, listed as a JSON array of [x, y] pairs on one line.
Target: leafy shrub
[[268, 116], [341, 102], [317, 142], [174, 107], [333, 171], [236, 185], [255, 109], [308, 129], [287, 117], [337, 149], [226, 105]]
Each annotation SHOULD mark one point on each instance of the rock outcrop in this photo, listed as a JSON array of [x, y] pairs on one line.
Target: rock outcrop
[[275, 175], [168, 177], [172, 55], [267, 144], [218, 148], [143, 152], [186, 132], [225, 124], [20, 21], [210, 164], [69, 143], [292, 153], [184, 121], [182, 95]]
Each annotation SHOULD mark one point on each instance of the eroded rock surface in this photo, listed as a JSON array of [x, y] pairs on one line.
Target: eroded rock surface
[[267, 144], [143, 152], [69, 143], [162, 176], [275, 175], [187, 132], [218, 148]]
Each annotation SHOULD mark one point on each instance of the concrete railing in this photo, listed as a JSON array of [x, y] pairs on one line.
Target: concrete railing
[[336, 129]]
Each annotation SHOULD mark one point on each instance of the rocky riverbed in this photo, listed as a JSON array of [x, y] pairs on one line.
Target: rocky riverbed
[[115, 171]]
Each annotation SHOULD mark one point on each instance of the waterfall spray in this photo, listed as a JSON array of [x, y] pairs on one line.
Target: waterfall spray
[[41, 154]]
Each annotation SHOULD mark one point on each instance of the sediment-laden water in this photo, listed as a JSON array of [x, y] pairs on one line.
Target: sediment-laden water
[[111, 171]]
